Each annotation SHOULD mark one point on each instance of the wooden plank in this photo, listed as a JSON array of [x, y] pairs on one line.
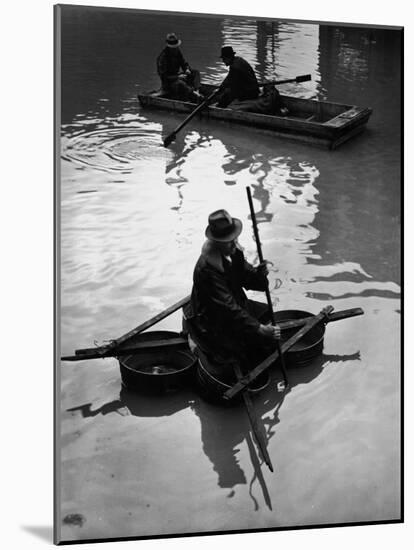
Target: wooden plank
[[253, 374], [353, 116], [129, 350], [337, 316], [140, 328]]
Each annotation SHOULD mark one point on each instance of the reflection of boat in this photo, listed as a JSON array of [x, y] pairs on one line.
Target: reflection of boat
[[317, 122]]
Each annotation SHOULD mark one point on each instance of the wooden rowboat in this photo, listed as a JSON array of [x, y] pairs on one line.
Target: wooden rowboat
[[316, 122]]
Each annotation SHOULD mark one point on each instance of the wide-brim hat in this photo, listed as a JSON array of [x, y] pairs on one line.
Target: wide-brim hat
[[172, 41], [222, 228], [227, 51]]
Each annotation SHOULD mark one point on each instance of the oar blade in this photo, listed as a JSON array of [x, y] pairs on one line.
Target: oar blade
[[169, 139], [303, 78]]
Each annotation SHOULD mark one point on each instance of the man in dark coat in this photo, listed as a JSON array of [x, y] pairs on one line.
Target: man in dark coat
[[222, 320], [240, 83], [178, 80]]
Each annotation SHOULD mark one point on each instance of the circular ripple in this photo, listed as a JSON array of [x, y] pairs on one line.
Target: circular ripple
[[113, 146]]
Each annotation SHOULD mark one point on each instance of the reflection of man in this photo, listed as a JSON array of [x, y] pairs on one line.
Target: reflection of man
[[240, 83], [221, 318], [178, 80]]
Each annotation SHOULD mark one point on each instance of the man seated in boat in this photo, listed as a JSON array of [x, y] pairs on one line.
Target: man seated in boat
[[178, 79], [268, 103], [240, 83], [221, 321]]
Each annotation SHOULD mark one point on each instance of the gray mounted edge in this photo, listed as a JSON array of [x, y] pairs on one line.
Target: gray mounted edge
[[57, 273]]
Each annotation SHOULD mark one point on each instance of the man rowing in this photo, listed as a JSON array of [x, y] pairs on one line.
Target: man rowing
[[240, 83], [178, 79], [222, 322]]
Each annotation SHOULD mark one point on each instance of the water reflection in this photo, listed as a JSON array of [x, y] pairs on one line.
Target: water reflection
[[223, 428]]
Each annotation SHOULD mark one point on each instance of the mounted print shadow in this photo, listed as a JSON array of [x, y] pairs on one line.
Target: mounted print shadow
[[228, 305]]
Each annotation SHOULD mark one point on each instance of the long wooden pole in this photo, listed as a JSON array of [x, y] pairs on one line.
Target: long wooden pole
[[268, 297]]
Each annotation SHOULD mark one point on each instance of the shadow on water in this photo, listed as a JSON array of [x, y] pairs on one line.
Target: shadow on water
[[139, 404], [223, 428]]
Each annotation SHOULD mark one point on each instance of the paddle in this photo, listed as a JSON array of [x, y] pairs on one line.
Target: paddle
[[268, 298], [297, 79], [171, 137], [253, 420], [253, 374]]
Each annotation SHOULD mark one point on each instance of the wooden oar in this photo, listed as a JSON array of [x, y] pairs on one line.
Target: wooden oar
[[268, 297], [297, 79], [268, 362], [171, 137], [253, 420]]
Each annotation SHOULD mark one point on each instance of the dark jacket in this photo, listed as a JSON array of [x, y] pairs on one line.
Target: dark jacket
[[218, 312], [241, 80], [169, 63]]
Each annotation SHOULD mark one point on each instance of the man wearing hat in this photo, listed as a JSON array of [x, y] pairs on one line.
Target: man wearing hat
[[240, 83], [178, 80], [222, 321]]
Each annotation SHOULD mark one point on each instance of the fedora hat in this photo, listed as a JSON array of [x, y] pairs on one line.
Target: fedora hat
[[227, 51], [172, 41], [222, 227]]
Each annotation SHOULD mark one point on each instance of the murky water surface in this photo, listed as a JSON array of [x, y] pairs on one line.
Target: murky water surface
[[133, 216]]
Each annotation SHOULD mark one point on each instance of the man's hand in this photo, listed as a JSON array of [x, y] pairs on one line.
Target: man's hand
[[262, 268], [270, 331]]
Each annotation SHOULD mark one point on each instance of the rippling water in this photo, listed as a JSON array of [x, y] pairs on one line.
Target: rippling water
[[133, 213]]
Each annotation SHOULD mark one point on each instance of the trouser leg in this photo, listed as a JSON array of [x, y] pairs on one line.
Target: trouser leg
[[225, 98]]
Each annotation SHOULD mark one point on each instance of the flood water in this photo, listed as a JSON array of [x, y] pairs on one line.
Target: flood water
[[132, 221]]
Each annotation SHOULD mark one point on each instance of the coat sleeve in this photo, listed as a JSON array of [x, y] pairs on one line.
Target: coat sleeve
[[183, 63], [161, 65], [254, 279], [225, 306], [228, 82]]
